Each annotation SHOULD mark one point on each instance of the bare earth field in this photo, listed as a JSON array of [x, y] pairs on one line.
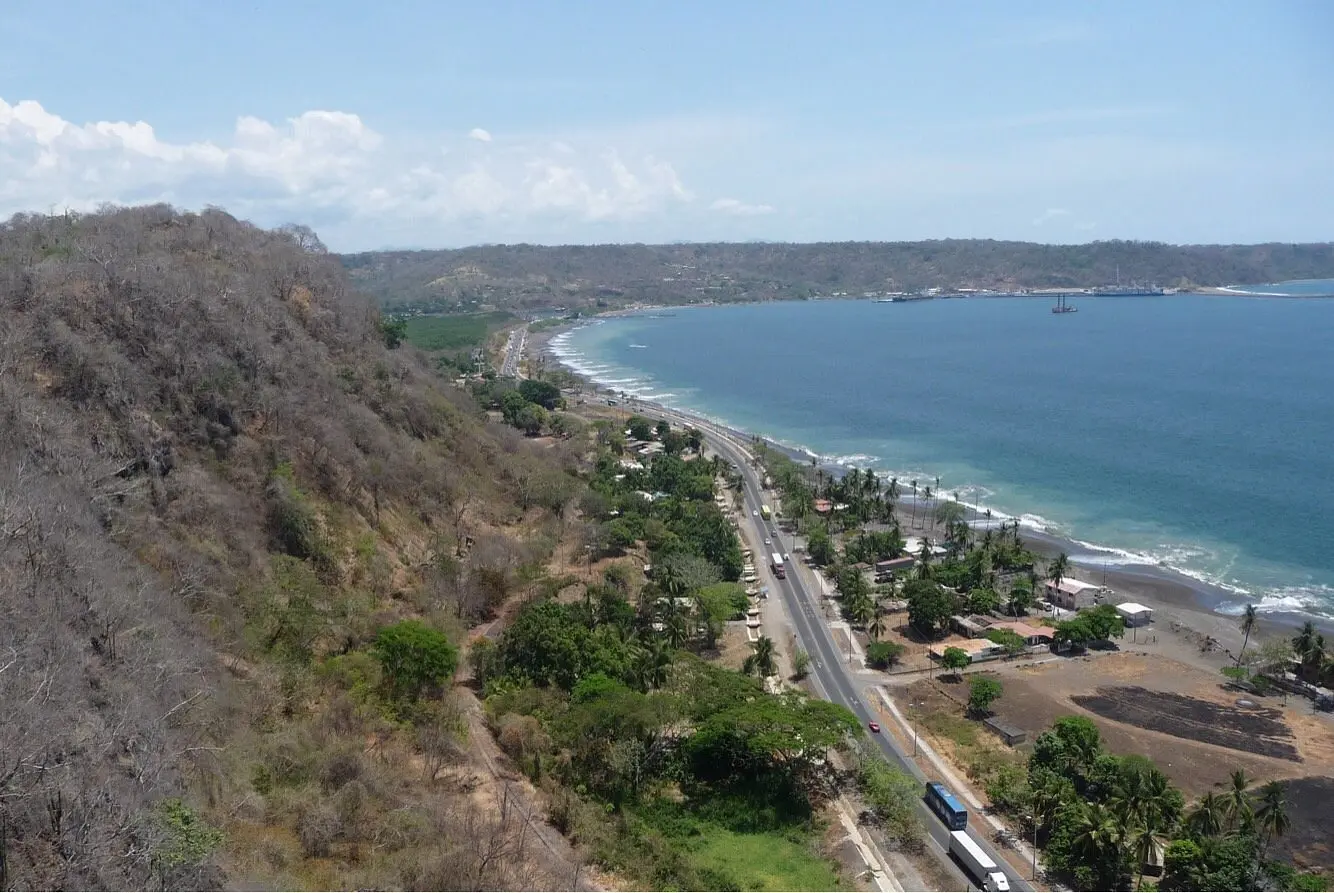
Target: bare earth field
[[1179, 716], [1309, 843]]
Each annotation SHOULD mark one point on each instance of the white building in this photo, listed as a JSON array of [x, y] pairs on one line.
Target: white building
[[1072, 595], [1135, 614]]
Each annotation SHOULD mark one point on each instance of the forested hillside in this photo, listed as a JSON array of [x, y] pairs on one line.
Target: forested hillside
[[221, 496], [595, 276]]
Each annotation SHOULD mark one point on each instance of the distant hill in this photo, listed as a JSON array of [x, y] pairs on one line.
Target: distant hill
[[588, 276]]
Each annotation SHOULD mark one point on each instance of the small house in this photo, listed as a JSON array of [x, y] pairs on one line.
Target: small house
[[1135, 614]]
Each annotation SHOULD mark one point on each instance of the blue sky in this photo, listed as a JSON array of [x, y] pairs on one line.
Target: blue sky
[[430, 124]]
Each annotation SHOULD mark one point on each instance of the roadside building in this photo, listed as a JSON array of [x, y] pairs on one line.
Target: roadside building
[[823, 506], [1031, 634], [1073, 595], [967, 626], [895, 565], [1135, 614], [977, 649]]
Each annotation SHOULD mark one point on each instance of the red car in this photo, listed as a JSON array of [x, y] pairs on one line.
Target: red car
[[875, 727]]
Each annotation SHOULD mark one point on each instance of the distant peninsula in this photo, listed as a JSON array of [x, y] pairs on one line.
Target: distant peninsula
[[601, 277]]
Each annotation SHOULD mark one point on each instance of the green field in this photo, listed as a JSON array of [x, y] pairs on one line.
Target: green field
[[440, 333], [761, 861]]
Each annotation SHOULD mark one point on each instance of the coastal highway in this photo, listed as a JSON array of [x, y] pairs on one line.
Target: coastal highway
[[831, 673], [518, 339]]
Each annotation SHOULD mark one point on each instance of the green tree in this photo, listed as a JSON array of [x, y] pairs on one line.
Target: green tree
[[530, 419], [1059, 568], [413, 657], [1011, 641], [883, 655], [955, 659], [1271, 816], [640, 428], [929, 607], [801, 664], [982, 601], [1240, 814], [185, 843], [1208, 818], [761, 661], [1021, 598], [820, 546], [982, 693], [544, 394], [1249, 621], [393, 331]]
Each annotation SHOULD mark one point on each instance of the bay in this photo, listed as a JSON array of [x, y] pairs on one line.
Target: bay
[[1183, 431]]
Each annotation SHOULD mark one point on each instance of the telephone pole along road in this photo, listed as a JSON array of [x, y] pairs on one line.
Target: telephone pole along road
[[832, 676]]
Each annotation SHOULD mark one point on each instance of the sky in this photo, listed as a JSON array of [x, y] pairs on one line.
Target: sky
[[405, 124]]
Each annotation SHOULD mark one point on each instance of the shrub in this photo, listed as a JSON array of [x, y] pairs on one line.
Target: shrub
[[883, 655], [413, 657]]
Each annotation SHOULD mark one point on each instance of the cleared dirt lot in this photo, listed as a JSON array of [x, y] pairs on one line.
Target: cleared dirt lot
[[1309, 843], [1178, 715]]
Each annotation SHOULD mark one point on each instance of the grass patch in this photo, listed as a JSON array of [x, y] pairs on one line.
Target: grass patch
[[958, 729], [668, 845], [439, 333]]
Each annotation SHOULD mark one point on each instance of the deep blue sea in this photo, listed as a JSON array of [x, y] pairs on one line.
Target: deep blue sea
[[1191, 432]]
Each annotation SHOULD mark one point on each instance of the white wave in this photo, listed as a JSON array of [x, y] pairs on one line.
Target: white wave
[[639, 346], [655, 396]]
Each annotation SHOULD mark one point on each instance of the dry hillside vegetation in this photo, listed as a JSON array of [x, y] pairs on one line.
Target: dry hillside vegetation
[[217, 487]]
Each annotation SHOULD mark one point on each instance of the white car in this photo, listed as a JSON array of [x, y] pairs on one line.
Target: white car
[[767, 543], [787, 557], [754, 513]]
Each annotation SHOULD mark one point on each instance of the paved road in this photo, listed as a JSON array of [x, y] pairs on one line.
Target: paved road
[[514, 352], [830, 671]]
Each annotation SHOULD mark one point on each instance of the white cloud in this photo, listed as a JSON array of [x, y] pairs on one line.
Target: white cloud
[[739, 208], [1050, 214], [328, 167]]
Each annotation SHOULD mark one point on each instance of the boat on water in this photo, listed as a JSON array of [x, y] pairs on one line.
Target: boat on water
[[1063, 307]]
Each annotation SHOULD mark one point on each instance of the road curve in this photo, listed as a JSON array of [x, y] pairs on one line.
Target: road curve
[[830, 672]]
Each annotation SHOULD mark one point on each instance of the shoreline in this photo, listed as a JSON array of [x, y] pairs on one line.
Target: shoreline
[[1177, 595]]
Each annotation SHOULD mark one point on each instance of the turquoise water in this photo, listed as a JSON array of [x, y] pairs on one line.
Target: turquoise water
[[1189, 432], [1301, 288]]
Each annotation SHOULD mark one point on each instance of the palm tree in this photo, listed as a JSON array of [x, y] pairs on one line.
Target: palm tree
[[924, 559], [926, 497], [761, 661], [914, 502], [1098, 833], [1309, 648], [1208, 817], [653, 662], [1271, 818], [1248, 623], [1238, 802], [877, 626], [1058, 568]]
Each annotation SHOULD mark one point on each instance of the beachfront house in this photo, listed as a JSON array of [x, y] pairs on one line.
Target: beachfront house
[[1135, 614], [1072, 595], [1032, 634]]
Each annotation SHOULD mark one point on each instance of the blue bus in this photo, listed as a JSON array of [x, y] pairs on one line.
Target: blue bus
[[945, 805]]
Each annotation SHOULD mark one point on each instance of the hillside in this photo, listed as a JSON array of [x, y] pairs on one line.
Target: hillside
[[598, 276], [218, 490]]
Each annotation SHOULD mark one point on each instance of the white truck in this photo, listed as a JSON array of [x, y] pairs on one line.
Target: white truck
[[981, 866]]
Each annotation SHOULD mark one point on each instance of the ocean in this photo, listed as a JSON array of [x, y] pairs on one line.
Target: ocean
[[1187, 432]]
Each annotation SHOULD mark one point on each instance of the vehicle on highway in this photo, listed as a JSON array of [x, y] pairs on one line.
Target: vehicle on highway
[[776, 565], [754, 513], [946, 805], [874, 727], [981, 866], [764, 512], [787, 557], [767, 541]]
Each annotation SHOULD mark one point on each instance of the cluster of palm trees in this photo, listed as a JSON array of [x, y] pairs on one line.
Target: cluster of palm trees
[[762, 661], [1142, 816], [1315, 663]]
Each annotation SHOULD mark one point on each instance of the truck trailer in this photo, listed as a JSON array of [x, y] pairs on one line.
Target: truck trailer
[[776, 565], [981, 866]]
